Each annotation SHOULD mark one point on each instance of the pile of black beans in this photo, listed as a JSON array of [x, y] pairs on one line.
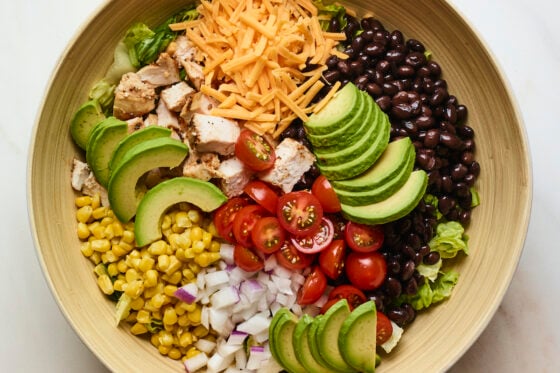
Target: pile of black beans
[[409, 86]]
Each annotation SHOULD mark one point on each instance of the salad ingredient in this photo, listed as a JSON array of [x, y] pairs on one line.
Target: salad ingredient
[[246, 259], [281, 337], [83, 180], [84, 120], [187, 293], [224, 216], [384, 328], [133, 97], [244, 222], [233, 174], [291, 258], [255, 151], [215, 134], [206, 196], [402, 202], [301, 346], [364, 238], [366, 271], [352, 294], [331, 259], [431, 292], [323, 190], [262, 194], [146, 156], [394, 339], [267, 235], [299, 213], [313, 287], [449, 240], [103, 140], [356, 346], [318, 240]]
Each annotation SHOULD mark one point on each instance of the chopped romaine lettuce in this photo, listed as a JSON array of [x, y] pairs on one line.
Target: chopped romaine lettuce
[[429, 271], [122, 309], [104, 93], [475, 198], [450, 238], [431, 292], [391, 343], [430, 199], [327, 12]]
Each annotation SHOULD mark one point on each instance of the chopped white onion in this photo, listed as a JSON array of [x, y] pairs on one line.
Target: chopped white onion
[[225, 349], [216, 278], [252, 289], [282, 272], [225, 297], [217, 362], [205, 345], [187, 293], [237, 338], [256, 356], [241, 359], [283, 284], [270, 263], [256, 324], [226, 253], [196, 362]]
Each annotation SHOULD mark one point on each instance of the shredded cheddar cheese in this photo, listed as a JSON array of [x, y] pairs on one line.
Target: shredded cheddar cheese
[[255, 53]]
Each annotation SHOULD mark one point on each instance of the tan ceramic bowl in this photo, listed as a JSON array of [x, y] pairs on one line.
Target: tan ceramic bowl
[[438, 337]]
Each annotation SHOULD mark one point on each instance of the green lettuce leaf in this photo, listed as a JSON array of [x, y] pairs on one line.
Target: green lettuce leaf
[[327, 12], [430, 199], [450, 238], [104, 93], [431, 292], [430, 271]]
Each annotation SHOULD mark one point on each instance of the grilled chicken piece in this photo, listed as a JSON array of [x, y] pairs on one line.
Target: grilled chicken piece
[[161, 73], [133, 98]]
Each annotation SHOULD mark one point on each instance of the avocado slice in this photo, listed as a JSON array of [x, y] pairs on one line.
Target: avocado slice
[[282, 312], [282, 337], [314, 343], [203, 194], [395, 157], [302, 347], [383, 191], [327, 335], [135, 138], [101, 144], [146, 156], [357, 338], [84, 120], [341, 108], [396, 206]]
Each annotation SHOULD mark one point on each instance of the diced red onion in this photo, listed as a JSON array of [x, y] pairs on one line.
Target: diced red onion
[[225, 349], [282, 284], [282, 272], [226, 253], [321, 301], [205, 345], [237, 338], [225, 297], [270, 263], [216, 278], [217, 362], [196, 362], [241, 359], [255, 324], [252, 289], [256, 357], [187, 293]]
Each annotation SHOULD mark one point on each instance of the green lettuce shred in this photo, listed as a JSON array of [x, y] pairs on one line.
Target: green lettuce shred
[[431, 292], [475, 198], [449, 240], [327, 12], [430, 271], [430, 199], [104, 93]]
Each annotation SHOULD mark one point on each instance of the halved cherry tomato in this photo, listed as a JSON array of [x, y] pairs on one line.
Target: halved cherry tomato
[[313, 287], [224, 216], [364, 238], [254, 151], [353, 295], [300, 213], [323, 190], [267, 234], [384, 328], [246, 259], [318, 241], [261, 193], [244, 221], [290, 257], [366, 271], [331, 259]]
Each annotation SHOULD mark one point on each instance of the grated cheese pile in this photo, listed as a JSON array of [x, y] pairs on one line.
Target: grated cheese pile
[[255, 52]]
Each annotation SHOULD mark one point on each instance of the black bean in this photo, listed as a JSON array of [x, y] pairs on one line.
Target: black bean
[[374, 89], [465, 132], [332, 61], [396, 38], [410, 312], [465, 217], [438, 97], [398, 315], [462, 112], [435, 69], [393, 267], [374, 49], [423, 71], [446, 184], [344, 67], [458, 171], [405, 71], [470, 179], [415, 45], [381, 37], [469, 144], [450, 113], [393, 287], [394, 55], [332, 76], [358, 43], [424, 250], [415, 59], [432, 258], [450, 140], [407, 270], [411, 287], [461, 189], [384, 102], [475, 168], [446, 204], [390, 89]]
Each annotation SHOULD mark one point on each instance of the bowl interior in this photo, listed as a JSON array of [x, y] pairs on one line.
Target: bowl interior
[[438, 337]]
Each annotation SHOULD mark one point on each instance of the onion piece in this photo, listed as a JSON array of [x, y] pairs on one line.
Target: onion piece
[[252, 289], [241, 359], [205, 345], [237, 338], [226, 253], [256, 356], [216, 278], [217, 362], [196, 362], [187, 293], [225, 297], [256, 324]]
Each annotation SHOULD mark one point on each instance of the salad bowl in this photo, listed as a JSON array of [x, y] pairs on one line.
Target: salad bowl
[[496, 233]]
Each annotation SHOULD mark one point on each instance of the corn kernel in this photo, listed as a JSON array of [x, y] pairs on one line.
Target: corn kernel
[[122, 266], [109, 233], [193, 351], [174, 354], [131, 317], [164, 350], [132, 275], [183, 320], [163, 262], [174, 279], [95, 258], [118, 285], [158, 248], [214, 247], [189, 253], [138, 329], [189, 307], [84, 214], [98, 231], [186, 339], [146, 263], [82, 201], [174, 265], [154, 339], [118, 228], [106, 221], [134, 289], [157, 301], [137, 304], [165, 338], [96, 201], [150, 278], [206, 239], [211, 228], [126, 246], [198, 246], [166, 222], [109, 257], [194, 216], [153, 290], [196, 234], [82, 231], [128, 236], [102, 245], [194, 267], [105, 284], [112, 269], [179, 310], [182, 220], [118, 250], [99, 213], [143, 316], [169, 316], [86, 249], [194, 316], [200, 331]]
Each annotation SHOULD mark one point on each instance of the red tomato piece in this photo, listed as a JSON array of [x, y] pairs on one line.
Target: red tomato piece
[[290, 257], [331, 259], [254, 150], [300, 213], [366, 271], [384, 328], [323, 190], [313, 287], [246, 259], [318, 241], [224, 216], [353, 295], [267, 235], [261, 193], [244, 221], [364, 238]]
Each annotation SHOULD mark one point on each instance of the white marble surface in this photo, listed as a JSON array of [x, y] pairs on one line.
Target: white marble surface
[[524, 335]]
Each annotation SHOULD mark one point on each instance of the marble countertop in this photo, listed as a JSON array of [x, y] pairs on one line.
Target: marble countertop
[[523, 336]]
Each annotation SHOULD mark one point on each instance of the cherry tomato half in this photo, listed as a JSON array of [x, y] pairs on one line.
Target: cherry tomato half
[[353, 295], [244, 221], [318, 241], [261, 193], [224, 216], [267, 234], [384, 328], [313, 287], [290, 257], [254, 151], [300, 213], [323, 190], [364, 238], [246, 259], [366, 271], [331, 259]]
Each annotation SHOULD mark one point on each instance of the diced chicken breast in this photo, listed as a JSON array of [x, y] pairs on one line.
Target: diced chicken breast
[[194, 73], [166, 118], [133, 98], [200, 103], [235, 176], [84, 181], [161, 73], [135, 124], [214, 134], [185, 50], [151, 120], [80, 172], [203, 167], [292, 161], [176, 96]]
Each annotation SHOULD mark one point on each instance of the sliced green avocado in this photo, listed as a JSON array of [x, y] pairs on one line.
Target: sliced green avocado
[[389, 164], [362, 162], [395, 207], [84, 120], [314, 342], [146, 156], [203, 194], [341, 108], [135, 138], [327, 335], [303, 349], [357, 338], [101, 145], [381, 192], [282, 339], [282, 312]]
